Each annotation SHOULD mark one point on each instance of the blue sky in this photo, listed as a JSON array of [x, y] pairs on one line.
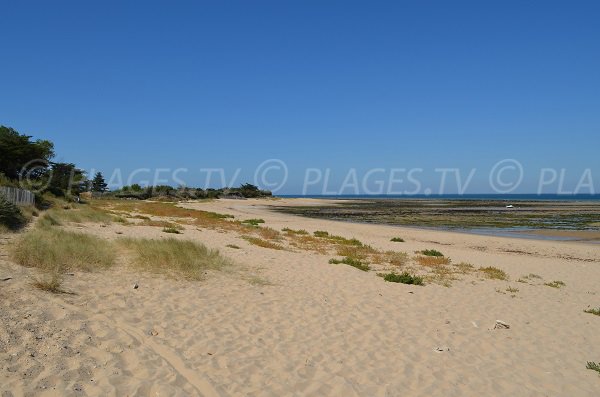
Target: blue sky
[[330, 85]]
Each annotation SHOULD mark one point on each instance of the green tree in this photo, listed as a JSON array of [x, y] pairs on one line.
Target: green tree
[[66, 179], [18, 153], [98, 183]]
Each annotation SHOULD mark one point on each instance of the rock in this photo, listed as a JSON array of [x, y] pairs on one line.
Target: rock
[[441, 349], [135, 286], [501, 325]]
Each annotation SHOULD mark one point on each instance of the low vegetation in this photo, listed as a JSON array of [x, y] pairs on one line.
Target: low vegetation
[[263, 243], [432, 260], [51, 281], [11, 216], [494, 273], [595, 311], [404, 278], [253, 222], [235, 247], [593, 366], [56, 250], [431, 253], [397, 240], [555, 284], [171, 230], [289, 231], [352, 262], [512, 290], [173, 257]]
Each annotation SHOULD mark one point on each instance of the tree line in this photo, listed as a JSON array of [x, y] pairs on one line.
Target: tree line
[[29, 164]]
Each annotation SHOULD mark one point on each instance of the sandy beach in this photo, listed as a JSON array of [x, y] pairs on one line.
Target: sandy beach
[[288, 323]]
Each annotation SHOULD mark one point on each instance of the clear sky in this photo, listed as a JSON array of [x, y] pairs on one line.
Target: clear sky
[[316, 84]]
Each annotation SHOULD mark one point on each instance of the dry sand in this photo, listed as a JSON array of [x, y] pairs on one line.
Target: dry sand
[[289, 324]]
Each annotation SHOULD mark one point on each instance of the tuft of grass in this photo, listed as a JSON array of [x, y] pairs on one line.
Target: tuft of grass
[[432, 253], [253, 222], [593, 366], [60, 250], [269, 233], [321, 233], [432, 260], [593, 311], [50, 282], [235, 247], [351, 262], [395, 258], [397, 240], [289, 231], [555, 284], [512, 290], [82, 213], [494, 273], [464, 267], [173, 257], [171, 230], [263, 243], [404, 278]]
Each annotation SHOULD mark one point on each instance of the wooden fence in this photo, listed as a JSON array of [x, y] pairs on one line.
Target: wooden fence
[[17, 196]]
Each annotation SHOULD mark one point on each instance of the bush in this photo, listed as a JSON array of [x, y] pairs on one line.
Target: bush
[[171, 230], [556, 284], [593, 311], [321, 233], [432, 253], [404, 278], [593, 366], [397, 240], [10, 215]]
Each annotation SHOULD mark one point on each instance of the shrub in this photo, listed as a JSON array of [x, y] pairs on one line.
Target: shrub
[[431, 253], [494, 273], [321, 233], [171, 230], [173, 257], [10, 215], [58, 250], [351, 262], [404, 278], [397, 240]]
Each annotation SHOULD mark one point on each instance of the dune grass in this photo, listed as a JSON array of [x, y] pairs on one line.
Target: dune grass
[[263, 243], [595, 311], [593, 366], [431, 253], [53, 249], [174, 258], [432, 260], [404, 278], [171, 230], [352, 262], [51, 281], [494, 273], [300, 232], [253, 222], [556, 284]]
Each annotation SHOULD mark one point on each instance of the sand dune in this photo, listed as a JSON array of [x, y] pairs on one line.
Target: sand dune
[[289, 323]]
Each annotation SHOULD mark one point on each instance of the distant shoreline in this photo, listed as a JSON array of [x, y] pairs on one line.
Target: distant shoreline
[[482, 197]]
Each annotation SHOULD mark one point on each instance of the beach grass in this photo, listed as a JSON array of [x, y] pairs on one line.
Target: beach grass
[[173, 257], [404, 278], [494, 273], [351, 262], [53, 249]]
